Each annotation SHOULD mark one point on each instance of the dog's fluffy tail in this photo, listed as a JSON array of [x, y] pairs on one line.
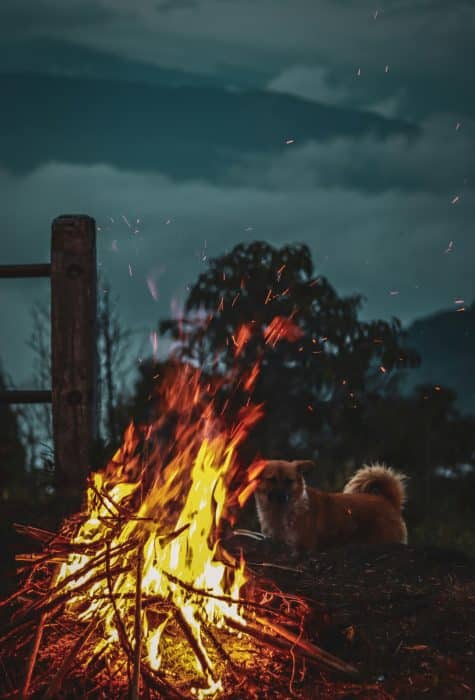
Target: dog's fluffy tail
[[382, 480]]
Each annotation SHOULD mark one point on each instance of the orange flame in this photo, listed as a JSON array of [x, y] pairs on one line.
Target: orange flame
[[281, 328], [169, 503]]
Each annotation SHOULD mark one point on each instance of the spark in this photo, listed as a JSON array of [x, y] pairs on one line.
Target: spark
[[394, 292], [459, 301], [455, 199], [152, 287], [131, 273], [250, 381], [386, 68], [289, 141], [167, 222], [461, 308], [358, 72], [268, 297], [154, 342], [450, 247], [383, 369], [243, 335], [458, 126]]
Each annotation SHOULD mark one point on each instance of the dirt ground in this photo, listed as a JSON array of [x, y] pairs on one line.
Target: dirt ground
[[404, 616]]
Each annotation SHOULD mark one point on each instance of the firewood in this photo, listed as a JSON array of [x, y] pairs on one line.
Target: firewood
[[135, 690]]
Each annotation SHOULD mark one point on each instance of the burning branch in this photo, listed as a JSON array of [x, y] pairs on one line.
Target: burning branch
[[138, 626]]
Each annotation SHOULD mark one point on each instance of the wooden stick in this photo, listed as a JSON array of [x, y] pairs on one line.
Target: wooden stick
[[225, 598], [310, 650], [33, 657], [197, 650], [55, 685], [118, 620], [135, 690], [283, 639], [36, 645]]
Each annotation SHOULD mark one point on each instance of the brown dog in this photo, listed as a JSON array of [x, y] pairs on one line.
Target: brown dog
[[367, 512]]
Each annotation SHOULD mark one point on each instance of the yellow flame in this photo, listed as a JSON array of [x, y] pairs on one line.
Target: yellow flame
[[180, 559]]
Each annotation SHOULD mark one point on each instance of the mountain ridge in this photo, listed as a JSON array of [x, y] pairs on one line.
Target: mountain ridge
[[184, 132], [446, 342]]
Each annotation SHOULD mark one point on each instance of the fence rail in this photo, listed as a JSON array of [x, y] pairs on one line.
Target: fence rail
[[35, 270], [13, 396]]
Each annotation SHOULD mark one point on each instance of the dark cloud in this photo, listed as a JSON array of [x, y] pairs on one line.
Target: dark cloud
[[428, 47], [174, 5], [439, 161], [20, 18], [183, 132]]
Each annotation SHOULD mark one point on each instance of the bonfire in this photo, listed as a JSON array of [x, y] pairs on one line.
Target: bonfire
[[136, 594]]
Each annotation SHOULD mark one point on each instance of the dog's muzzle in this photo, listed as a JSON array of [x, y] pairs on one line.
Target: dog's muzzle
[[280, 498]]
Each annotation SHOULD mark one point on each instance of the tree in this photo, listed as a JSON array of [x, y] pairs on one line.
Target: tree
[[307, 386], [12, 452], [113, 344]]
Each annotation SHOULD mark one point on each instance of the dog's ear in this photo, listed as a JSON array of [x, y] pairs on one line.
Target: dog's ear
[[270, 468], [303, 465]]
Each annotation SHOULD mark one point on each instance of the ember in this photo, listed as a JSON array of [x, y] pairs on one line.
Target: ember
[[137, 590]]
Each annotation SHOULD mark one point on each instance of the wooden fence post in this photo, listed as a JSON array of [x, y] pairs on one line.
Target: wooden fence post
[[73, 351]]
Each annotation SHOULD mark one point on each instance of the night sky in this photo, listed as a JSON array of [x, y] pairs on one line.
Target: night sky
[[187, 126]]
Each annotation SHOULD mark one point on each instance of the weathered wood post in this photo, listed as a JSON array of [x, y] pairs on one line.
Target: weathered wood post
[[74, 351]]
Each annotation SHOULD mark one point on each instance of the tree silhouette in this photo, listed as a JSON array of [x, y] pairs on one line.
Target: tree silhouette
[[309, 385], [12, 452], [423, 435]]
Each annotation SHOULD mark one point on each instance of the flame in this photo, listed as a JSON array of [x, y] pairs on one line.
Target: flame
[[282, 328], [161, 510]]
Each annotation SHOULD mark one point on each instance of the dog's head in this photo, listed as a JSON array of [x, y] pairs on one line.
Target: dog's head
[[282, 482]]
